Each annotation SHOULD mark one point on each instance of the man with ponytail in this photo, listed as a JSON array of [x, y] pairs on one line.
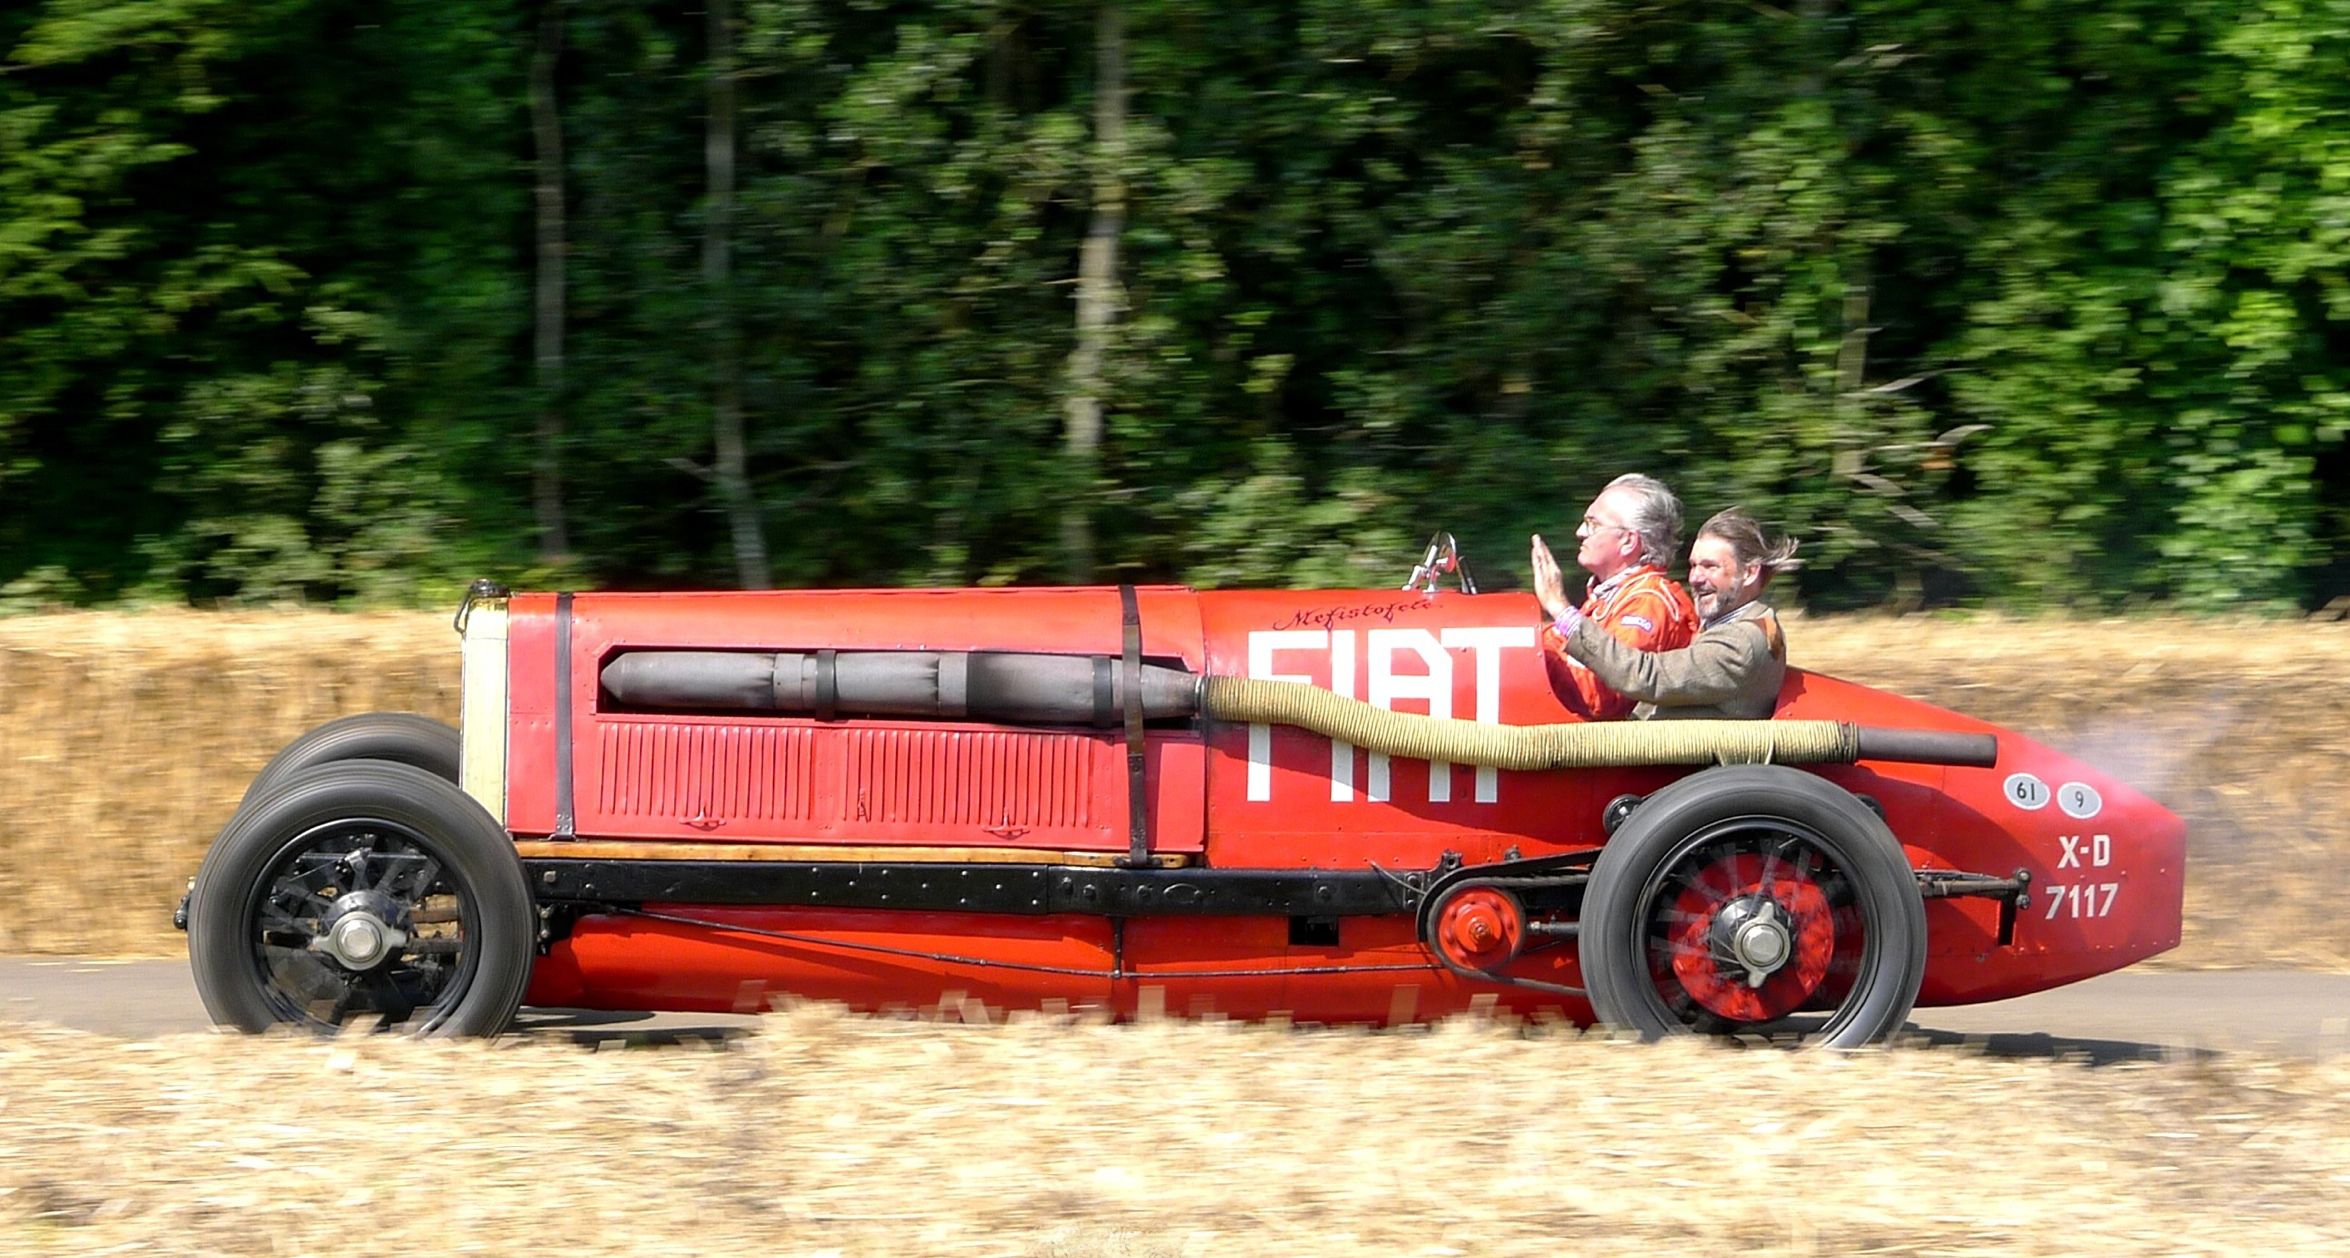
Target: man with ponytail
[[1734, 666]]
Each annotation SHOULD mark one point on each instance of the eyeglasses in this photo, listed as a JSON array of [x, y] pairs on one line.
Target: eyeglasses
[[1591, 526]]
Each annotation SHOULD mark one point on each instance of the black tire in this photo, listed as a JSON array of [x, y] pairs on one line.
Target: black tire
[[1683, 900], [390, 843], [401, 737]]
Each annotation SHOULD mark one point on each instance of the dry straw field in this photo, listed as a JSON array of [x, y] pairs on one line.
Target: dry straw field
[[827, 1134], [126, 740]]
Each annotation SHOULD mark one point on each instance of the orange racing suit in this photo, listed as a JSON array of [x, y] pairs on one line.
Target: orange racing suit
[[1644, 608]]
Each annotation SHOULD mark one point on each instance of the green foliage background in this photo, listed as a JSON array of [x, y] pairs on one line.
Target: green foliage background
[[2046, 302]]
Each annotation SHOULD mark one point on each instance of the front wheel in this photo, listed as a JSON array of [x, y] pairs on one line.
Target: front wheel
[[362, 889], [1738, 899]]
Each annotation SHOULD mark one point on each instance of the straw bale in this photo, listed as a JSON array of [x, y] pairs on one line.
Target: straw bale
[[126, 741]]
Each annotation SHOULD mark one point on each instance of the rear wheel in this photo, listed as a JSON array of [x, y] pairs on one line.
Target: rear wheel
[[1739, 899], [401, 737], [362, 890]]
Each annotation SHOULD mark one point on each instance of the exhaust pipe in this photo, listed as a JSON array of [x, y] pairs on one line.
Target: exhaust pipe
[[1018, 689], [1028, 689]]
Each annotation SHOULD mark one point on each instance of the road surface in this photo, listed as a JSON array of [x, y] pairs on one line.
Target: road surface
[[2120, 1017]]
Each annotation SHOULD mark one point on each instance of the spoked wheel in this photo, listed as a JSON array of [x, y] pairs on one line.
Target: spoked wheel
[[362, 890], [359, 918], [1739, 898]]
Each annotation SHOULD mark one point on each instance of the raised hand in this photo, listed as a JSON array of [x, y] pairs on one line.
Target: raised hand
[[1550, 585]]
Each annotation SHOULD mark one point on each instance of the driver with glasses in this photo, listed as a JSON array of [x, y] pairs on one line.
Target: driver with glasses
[[1627, 537], [1738, 661]]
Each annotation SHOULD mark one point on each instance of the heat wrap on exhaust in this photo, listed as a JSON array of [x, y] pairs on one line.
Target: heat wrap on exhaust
[[1612, 744]]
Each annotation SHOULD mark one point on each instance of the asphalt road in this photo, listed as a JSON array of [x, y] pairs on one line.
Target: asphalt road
[[2120, 1017]]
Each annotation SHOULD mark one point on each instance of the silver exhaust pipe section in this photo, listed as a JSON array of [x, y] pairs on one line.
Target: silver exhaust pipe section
[[1021, 689]]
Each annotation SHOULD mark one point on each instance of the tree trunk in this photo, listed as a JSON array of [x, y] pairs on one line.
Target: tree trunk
[[1852, 349], [1097, 290], [547, 134], [727, 469]]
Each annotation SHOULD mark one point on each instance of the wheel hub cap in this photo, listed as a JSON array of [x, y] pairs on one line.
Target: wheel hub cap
[[360, 933], [1762, 944]]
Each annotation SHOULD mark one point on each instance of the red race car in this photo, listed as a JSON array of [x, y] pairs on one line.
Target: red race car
[[1343, 806]]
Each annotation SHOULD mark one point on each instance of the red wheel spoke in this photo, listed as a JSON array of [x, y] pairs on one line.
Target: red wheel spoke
[[1672, 948], [1727, 867], [1770, 871]]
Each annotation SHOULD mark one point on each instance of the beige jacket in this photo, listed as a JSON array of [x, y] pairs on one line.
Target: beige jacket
[[1733, 668]]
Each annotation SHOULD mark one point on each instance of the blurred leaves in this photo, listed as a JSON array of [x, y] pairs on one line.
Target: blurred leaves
[[2050, 307]]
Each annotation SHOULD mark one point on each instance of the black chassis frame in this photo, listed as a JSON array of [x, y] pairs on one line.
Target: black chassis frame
[[1028, 890], [570, 887]]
